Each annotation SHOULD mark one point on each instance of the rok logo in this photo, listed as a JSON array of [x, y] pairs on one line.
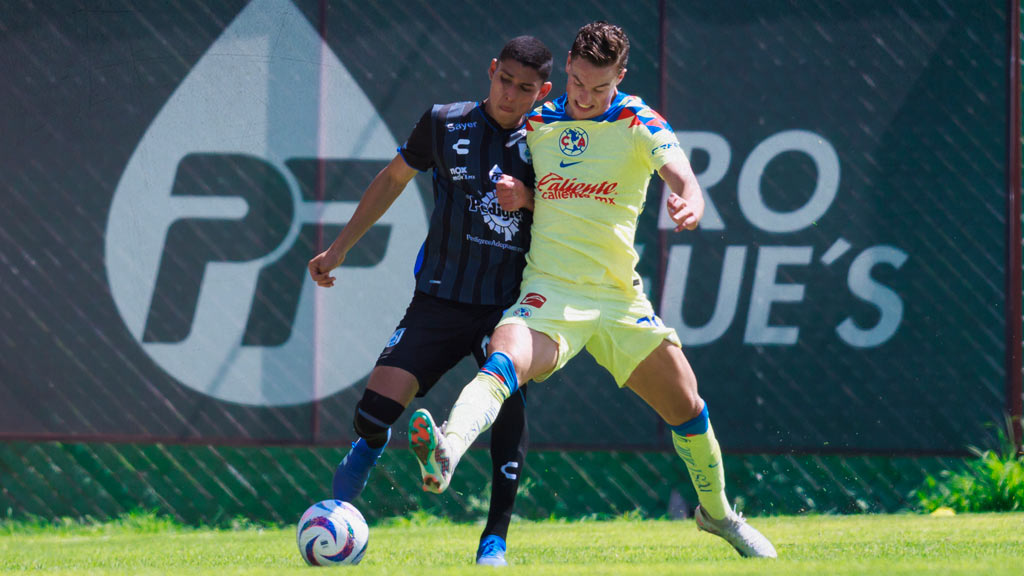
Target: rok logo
[[460, 173], [217, 213]]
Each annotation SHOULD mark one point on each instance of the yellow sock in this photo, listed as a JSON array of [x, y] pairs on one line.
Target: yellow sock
[[474, 411], [703, 460]]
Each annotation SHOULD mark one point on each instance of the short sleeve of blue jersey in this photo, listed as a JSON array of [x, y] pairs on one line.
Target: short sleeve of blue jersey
[[418, 150]]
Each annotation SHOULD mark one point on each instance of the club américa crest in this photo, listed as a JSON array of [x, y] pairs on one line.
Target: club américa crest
[[573, 141]]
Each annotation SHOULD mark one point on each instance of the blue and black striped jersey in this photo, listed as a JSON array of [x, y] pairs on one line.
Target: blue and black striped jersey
[[474, 251]]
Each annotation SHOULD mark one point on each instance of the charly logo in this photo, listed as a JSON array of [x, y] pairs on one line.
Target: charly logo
[[217, 212], [573, 141]]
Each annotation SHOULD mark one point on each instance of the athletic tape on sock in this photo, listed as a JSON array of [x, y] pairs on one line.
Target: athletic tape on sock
[[694, 426], [500, 366]]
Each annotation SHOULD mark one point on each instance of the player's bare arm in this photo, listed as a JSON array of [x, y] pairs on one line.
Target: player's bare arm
[[513, 194], [686, 203], [379, 196]]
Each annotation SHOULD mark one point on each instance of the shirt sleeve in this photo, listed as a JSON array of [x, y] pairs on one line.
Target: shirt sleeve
[[658, 144], [418, 150]]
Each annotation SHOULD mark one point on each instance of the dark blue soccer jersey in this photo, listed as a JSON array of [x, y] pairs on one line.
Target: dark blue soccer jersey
[[474, 251]]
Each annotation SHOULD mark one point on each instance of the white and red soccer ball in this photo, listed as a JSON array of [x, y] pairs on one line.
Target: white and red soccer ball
[[332, 533]]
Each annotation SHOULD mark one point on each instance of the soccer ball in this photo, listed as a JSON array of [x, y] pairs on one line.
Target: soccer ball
[[332, 533]]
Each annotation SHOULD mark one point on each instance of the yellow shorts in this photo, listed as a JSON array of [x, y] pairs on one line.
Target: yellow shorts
[[618, 328]]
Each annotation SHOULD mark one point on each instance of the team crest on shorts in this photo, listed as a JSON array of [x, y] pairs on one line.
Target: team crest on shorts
[[533, 299], [395, 338], [523, 313]]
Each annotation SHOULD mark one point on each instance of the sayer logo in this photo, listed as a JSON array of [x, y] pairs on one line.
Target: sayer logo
[[216, 215]]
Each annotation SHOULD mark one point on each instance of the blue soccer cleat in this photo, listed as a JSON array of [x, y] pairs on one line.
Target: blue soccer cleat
[[351, 475], [491, 551]]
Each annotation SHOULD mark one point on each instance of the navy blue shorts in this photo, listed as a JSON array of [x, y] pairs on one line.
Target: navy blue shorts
[[436, 334]]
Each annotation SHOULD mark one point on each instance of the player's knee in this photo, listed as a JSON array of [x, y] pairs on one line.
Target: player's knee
[[503, 339], [513, 341], [374, 415]]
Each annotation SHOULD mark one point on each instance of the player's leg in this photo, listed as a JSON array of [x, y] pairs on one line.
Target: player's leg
[[646, 356], [431, 338], [509, 439], [387, 394], [667, 383], [518, 354], [533, 339]]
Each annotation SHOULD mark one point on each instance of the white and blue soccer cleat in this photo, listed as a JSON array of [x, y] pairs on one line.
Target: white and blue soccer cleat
[[734, 529]]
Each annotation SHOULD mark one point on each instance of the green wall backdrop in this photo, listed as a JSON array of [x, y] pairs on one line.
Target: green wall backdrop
[[169, 167]]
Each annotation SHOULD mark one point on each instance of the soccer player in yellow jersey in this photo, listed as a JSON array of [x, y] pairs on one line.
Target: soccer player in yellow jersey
[[594, 150]]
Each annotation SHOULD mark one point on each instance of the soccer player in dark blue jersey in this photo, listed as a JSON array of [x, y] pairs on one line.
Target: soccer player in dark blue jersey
[[468, 270]]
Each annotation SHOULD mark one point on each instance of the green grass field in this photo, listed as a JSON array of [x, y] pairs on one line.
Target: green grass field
[[891, 544]]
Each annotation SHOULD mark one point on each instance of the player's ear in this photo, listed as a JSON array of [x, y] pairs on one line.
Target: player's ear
[[622, 74], [544, 90], [493, 68], [568, 62]]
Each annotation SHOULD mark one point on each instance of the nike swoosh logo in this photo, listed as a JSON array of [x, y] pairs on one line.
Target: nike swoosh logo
[[565, 164]]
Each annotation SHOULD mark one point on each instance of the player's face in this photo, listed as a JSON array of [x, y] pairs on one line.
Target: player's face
[[590, 88], [514, 89]]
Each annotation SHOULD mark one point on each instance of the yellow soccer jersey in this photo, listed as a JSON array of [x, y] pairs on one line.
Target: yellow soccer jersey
[[591, 183]]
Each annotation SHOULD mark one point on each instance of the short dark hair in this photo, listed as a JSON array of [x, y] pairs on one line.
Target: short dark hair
[[601, 44], [528, 51]]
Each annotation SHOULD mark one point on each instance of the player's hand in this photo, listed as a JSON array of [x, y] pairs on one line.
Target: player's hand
[[512, 194], [321, 265], [685, 213]]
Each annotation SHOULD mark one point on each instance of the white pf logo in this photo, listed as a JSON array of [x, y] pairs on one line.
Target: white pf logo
[[231, 154]]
